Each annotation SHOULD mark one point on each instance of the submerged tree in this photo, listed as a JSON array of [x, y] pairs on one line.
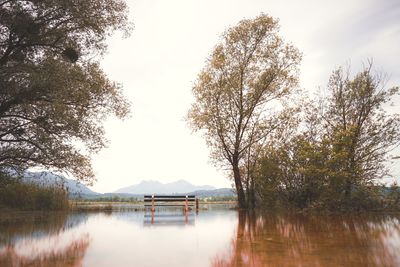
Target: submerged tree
[[339, 157], [360, 130], [53, 94], [249, 71]]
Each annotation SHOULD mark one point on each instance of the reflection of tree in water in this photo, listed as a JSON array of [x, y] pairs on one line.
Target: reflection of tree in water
[[70, 256], [42, 239], [34, 224], [15, 226], [301, 240]]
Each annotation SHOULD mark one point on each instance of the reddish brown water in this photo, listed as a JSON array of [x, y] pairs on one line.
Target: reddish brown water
[[211, 238]]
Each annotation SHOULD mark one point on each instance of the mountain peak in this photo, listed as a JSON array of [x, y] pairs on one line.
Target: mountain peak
[[181, 181], [149, 182]]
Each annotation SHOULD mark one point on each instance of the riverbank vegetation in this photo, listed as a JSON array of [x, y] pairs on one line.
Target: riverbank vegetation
[[15, 195], [336, 158], [107, 199], [284, 149]]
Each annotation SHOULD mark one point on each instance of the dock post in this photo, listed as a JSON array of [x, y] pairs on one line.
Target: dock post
[[197, 205], [186, 209], [186, 204], [152, 209]]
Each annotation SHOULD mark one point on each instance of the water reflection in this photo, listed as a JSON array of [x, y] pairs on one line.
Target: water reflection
[[300, 240], [219, 237], [169, 216], [166, 219], [42, 239], [70, 255]]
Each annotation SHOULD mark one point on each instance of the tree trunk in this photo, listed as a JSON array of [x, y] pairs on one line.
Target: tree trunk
[[239, 187], [252, 198], [347, 191], [351, 177]]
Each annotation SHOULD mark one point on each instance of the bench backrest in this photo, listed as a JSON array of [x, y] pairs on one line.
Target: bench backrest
[[169, 200]]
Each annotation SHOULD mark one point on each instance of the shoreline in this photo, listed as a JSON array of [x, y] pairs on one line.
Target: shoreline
[[88, 206]]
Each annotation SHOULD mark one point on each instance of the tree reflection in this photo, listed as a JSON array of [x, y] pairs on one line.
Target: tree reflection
[[71, 255], [306, 240], [14, 226], [42, 239]]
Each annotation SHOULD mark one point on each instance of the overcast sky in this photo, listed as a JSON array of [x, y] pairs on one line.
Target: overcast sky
[[159, 62]]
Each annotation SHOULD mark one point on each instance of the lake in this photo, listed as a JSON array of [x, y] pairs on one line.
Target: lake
[[214, 237]]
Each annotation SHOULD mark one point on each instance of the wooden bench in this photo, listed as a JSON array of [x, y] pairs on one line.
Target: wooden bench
[[185, 201]]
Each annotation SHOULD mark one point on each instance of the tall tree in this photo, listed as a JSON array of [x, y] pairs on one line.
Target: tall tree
[[248, 71], [53, 94], [359, 128]]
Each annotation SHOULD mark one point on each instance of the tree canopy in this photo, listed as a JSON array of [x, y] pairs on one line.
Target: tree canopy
[[337, 159], [247, 71], [53, 94]]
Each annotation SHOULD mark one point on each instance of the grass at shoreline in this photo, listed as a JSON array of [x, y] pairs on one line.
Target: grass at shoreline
[[16, 195], [127, 206]]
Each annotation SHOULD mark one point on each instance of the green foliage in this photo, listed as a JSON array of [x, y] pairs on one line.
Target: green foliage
[[219, 198], [289, 174], [53, 94], [392, 197], [110, 199], [336, 161]]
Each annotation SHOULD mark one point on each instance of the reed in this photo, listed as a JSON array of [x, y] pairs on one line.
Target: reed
[[17, 195]]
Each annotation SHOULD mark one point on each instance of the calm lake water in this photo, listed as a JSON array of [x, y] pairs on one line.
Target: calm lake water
[[215, 237]]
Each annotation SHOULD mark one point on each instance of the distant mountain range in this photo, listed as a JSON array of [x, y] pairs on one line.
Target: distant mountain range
[[50, 179], [155, 187], [77, 189]]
